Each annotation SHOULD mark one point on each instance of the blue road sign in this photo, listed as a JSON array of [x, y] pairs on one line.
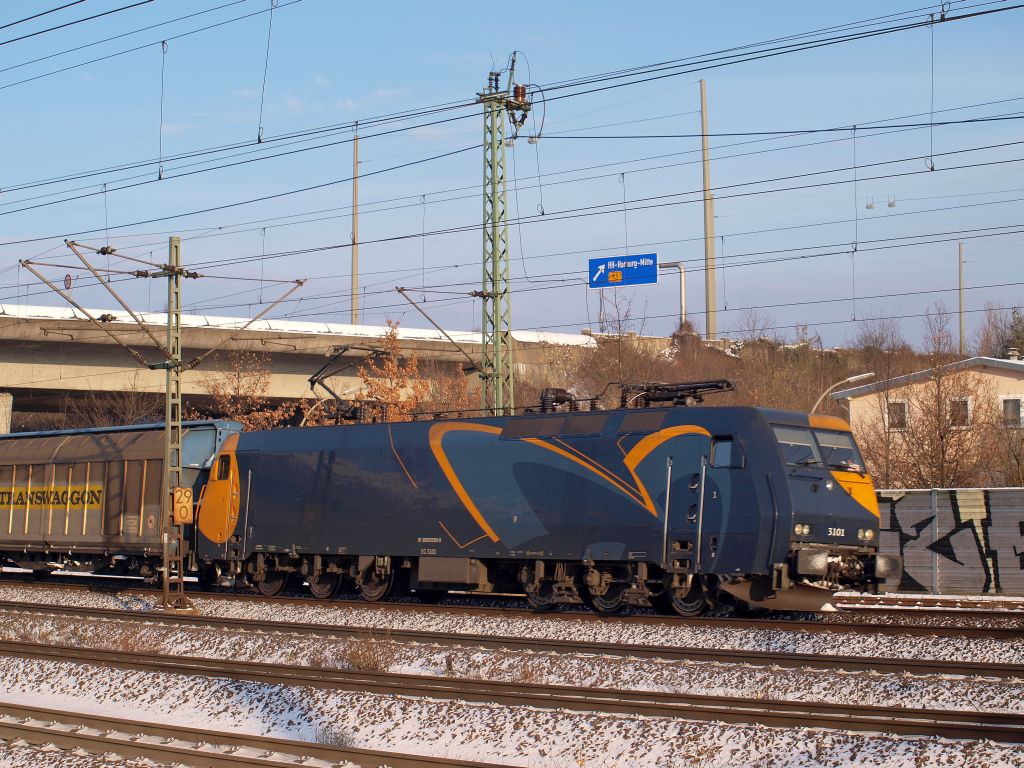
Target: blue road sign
[[621, 271]]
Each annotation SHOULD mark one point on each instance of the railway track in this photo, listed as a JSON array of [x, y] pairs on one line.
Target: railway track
[[954, 603], [1001, 727], [541, 645], [100, 734], [1000, 624]]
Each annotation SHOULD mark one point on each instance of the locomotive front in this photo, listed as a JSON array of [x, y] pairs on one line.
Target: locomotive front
[[835, 517]]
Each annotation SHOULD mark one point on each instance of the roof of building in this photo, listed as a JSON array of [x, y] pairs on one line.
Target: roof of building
[[278, 326], [1014, 366]]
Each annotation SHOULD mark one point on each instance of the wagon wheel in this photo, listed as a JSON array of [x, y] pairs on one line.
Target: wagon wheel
[[690, 604], [376, 587], [542, 599], [611, 602], [323, 585], [273, 583]]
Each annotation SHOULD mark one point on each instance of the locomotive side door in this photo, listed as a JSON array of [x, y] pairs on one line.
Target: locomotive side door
[[685, 466], [722, 540]]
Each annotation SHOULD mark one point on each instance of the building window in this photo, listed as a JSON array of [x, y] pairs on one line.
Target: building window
[[1011, 412], [896, 415], [960, 412]]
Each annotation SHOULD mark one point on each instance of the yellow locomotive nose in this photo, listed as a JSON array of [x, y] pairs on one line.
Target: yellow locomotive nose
[[860, 488]]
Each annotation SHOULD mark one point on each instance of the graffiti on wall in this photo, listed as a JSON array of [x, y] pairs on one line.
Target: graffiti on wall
[[963, 541]]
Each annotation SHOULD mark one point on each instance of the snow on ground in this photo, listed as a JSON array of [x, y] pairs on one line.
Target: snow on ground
[[882, 643], [522, 736], [17, 753], [379, 653]]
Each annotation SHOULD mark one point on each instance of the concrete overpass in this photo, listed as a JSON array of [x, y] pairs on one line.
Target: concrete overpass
[[49, 353]]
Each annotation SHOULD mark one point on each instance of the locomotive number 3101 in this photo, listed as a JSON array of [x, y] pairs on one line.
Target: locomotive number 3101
[[836, 531]]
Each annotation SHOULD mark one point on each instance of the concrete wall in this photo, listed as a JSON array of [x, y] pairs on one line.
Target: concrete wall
[[967, 541]]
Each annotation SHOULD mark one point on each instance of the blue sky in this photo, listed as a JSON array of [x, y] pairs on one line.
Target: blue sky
[[334, 62]]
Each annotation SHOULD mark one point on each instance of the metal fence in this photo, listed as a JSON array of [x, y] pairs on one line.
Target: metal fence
[[967, 541]]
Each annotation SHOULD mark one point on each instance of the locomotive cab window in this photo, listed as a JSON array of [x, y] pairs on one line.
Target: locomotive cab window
[[725, 453], [797, 444], [223, 467], [838, 450]]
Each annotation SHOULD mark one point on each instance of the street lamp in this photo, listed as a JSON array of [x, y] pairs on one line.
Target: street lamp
[[682, 287], [847, 380]]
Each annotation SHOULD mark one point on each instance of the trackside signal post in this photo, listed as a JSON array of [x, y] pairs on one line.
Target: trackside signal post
[[497, 396]]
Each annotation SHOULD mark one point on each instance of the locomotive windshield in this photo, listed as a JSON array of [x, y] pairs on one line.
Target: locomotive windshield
[[802, 446], [838, 450], [798, 446]]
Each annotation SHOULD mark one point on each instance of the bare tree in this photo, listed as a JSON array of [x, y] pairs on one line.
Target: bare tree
[[239, 392], [755, 325], [448, 388], [879, 347], [1007, 451], [393, 387], [994, 331], [933, 431], [115, 408]]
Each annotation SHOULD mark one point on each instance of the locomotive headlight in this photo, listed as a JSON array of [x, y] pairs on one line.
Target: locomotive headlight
[[869, 534], [802, 529]]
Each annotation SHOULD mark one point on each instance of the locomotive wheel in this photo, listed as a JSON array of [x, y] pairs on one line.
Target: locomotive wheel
[[541, 600], [323, 585], [377, 587], [690, 604], [273, 583], [611, 602]]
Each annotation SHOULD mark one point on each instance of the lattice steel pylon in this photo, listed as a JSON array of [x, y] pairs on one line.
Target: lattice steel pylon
[[497, 390], [174, 597]]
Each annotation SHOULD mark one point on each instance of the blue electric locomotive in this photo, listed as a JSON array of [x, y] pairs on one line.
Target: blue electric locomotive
[[675, 507]]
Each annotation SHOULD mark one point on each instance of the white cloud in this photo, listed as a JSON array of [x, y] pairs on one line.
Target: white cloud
[[384, 94], [350, 103]]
